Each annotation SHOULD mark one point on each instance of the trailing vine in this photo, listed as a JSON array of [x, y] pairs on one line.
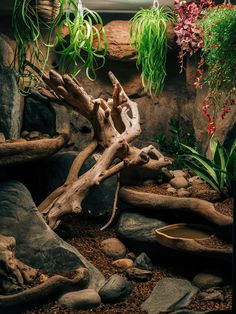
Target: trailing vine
[[29, 23], [148, 37], [218, 27]]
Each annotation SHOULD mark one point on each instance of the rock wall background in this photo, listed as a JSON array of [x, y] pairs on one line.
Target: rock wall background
[[179, 98]]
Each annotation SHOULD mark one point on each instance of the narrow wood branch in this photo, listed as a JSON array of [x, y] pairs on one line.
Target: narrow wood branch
[[114, 208], [166, 203], [79, 161]]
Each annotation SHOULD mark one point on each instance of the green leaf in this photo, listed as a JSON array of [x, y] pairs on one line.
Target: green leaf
[[204, 174]]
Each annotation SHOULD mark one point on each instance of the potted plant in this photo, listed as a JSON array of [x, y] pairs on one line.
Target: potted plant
[[148, 37]]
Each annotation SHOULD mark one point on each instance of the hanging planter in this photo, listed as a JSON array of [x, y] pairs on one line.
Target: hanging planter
[[37, 28], [79, 46], [148, 35]]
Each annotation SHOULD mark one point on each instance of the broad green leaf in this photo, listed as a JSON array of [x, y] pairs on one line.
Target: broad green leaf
[[213, 145], [204, 174]]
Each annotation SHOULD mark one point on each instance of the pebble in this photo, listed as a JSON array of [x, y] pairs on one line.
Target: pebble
[[2, 138], [122, 264], [83, 299], [115, 289], [149, 182], [138, 274], [113, 247], [24, 133], [194, 178], [171, 190], [46, 135], [178, 173], [212, 296], [179, 182], [205, 280], [34, 134], [143, 262], [131, 255], [183, 193]]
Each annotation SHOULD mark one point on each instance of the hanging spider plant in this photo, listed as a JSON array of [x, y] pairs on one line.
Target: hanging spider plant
[[30, 19], [148, 35], [83, 44], [37, 26]]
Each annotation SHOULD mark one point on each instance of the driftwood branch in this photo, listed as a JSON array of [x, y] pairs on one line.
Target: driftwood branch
[[47, 291], [166, 203], [116, 124]]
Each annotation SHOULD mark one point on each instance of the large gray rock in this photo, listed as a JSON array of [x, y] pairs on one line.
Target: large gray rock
[[10, 104], [83, 299], [169, 294], [36, 244], [39, 115], [138, 232], [115, 289]]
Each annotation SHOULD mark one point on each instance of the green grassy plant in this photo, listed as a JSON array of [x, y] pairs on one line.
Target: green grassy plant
[[77, 47], [219, 37], [217, 172], [148, 37], [171, 145]]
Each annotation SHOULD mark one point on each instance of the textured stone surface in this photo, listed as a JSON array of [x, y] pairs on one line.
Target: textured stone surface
[[83, 299], [113, 247], [138, 274], [115, 289], [168, 295], [205, 280], [138, 232], [37, 245], [143, 261], [39, 115], [10, 104], [6, 51]]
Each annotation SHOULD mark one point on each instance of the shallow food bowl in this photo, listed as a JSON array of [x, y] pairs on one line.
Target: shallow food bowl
[[187, 238]]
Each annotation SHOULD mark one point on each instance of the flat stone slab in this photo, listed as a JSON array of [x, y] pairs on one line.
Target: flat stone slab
[[169, 294]]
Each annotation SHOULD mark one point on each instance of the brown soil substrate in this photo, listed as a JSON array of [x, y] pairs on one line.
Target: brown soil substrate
[[215, 242], [84, 234]]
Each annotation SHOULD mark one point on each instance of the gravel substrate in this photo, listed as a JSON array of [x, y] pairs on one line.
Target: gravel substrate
[[84, 233]]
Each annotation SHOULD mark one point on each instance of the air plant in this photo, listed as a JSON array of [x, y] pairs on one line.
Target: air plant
[[148, 35], [38, 24]]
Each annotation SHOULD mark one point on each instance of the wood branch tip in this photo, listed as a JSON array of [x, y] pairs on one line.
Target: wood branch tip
[[113, 78]]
